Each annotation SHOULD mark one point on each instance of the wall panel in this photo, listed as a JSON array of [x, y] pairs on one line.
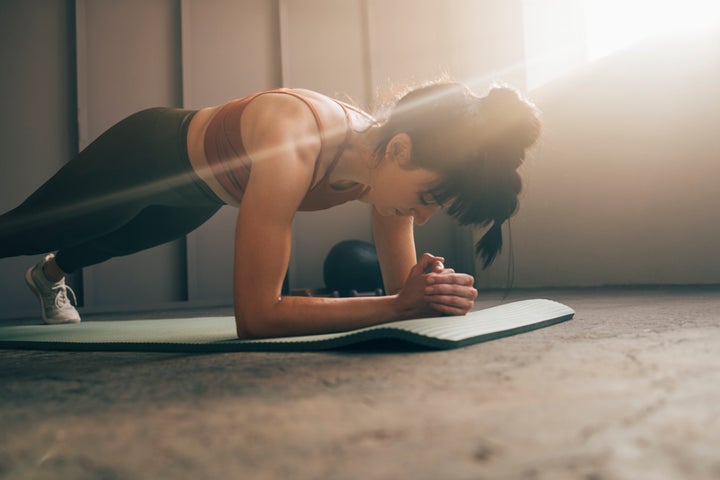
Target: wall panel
[[324, 49], [230, 49], [624, 188], [37, 122], [129, 59]]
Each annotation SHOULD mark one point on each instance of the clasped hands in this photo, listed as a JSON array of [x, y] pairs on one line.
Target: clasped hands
[[431, 290]]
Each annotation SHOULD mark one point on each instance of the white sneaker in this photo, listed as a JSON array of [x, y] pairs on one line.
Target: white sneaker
[[53, 296]]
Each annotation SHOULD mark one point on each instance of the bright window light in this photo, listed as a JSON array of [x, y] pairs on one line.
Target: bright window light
[[611, 25], [561, 35]]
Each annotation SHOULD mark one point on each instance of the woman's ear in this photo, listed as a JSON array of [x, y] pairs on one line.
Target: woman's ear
[[399, 149]]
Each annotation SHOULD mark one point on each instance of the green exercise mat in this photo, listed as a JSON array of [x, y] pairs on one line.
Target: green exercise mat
[[217, 334]]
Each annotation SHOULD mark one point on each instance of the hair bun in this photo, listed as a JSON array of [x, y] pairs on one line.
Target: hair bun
[[511, 119]]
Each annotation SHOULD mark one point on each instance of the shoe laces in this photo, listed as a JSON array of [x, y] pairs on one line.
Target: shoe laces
[[61, 295]]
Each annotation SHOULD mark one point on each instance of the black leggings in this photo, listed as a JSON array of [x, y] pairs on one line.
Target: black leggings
[[131, 189]]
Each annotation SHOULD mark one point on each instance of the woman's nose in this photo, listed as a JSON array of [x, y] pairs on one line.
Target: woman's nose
[[423, 214]]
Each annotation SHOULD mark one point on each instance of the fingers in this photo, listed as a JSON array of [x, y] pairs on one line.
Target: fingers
[[428, 263], [439, 289], [450, 293], [446, 309], [448, 276], [450, 305]]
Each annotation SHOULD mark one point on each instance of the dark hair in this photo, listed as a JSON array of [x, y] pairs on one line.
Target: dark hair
[[476, 144]]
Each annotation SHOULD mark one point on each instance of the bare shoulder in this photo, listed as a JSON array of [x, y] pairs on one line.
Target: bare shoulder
[[277, 122], [329, 109], [276, 111], [302, 118], [296, 103]]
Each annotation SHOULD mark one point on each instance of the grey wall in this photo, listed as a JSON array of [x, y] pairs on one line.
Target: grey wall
[[38, 120], [230, 49], [624, 188], [128, 58], [621, 191]]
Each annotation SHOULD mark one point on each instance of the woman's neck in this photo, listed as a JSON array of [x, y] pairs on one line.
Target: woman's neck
[[359, 159]]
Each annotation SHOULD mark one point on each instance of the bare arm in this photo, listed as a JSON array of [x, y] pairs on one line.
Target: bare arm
[[446, 292], [284, 145], [395, 244]]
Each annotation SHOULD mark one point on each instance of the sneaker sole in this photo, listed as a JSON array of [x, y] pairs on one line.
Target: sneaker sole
[[31, 283]]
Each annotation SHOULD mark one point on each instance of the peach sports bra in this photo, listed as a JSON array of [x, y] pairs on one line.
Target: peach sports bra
[[230, 165]]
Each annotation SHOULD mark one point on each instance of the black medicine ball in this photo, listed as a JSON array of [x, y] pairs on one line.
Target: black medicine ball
[[352, 265]]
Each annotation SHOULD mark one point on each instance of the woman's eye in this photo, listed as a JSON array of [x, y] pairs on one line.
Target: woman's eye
[[426, 199]]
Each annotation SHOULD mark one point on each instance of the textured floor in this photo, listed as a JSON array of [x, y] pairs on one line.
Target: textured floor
[[629, 389]]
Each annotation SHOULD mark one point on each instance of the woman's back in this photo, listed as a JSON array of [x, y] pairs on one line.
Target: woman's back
[[217, 137]]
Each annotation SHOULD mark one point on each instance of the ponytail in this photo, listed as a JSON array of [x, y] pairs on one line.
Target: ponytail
[[490, 245]]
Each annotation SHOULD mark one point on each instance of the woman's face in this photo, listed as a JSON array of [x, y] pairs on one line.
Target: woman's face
[[400, 190]]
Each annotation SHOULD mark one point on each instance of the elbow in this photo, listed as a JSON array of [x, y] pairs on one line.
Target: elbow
[[246, 327], [243, 332], [251, 325]]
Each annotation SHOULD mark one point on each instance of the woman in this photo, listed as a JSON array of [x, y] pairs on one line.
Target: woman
[[161, 173]]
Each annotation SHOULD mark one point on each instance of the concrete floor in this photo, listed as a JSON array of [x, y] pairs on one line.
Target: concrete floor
[[629, 389]]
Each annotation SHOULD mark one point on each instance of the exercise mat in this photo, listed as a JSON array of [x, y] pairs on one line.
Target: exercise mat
[[217, 334]]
